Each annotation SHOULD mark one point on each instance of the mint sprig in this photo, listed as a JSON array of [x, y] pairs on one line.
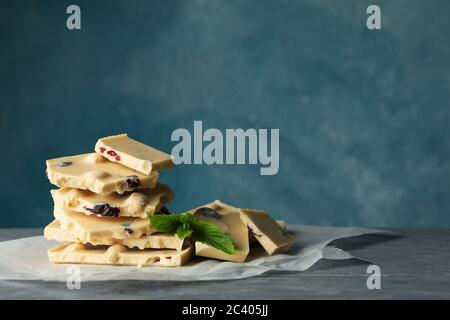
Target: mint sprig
[[186, 225]]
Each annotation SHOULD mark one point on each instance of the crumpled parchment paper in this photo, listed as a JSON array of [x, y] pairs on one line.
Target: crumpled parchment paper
[[26, 259]]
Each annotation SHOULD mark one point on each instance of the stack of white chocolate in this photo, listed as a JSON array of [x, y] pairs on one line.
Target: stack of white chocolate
[[102, 205], [101, 211]]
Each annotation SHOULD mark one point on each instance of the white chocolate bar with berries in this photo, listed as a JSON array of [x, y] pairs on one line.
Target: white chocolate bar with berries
[[228, 219], [155, 241], [118, 255], [93, 172], [133, 154], [92, 228], [135, 204]]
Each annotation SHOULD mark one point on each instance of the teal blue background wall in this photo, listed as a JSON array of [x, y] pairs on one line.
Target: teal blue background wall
[[364, 116]]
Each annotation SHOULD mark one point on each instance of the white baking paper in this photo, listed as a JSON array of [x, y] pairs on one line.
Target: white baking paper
[[26, 259]]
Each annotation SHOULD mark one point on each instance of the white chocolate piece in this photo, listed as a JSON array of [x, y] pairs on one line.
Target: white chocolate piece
[[133, 154], [135, 204], [267, 231], [155, 241], [93, 229], [118, 255], [281, 223], [93, 172], [230, 222]]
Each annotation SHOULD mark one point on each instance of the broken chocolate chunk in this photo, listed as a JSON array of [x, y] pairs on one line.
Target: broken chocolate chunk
[[104, 209], [133, 181], [208, 212]]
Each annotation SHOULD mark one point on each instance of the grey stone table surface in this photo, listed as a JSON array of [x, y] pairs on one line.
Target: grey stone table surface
[[415, 265]]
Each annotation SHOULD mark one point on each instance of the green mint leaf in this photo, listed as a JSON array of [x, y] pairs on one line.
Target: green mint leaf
[[165, 222], [184, 231], [186, 225], [212, 235], [187, 217]]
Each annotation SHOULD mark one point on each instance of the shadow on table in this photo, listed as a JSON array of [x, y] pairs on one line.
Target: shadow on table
[[364, 241], [354, 243]]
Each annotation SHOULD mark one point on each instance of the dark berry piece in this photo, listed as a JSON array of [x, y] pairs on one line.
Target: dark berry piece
[[133, 181], [164, 210], [117, 158], [64, 164], [187, 241], [251, 231], [168, 257], [104, 209], [102, 149], [128, 230], [156, 259], [208, 212]]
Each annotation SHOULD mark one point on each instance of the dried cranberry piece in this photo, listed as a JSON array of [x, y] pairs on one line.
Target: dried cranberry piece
[[64, 164], [104, 209], [208, 212], [156, 259], [132, 181], [168, 257], [102, 149], [117, 158], [111, 153]]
